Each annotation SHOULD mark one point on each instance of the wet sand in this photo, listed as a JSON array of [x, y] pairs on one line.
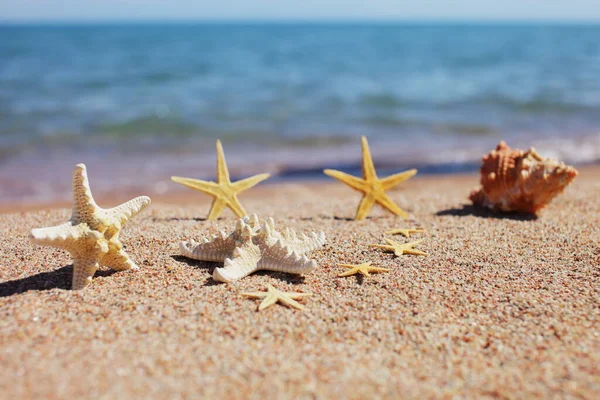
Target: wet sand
[[503, 307]]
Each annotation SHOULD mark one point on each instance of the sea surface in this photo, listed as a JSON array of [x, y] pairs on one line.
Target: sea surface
[[141, 102]]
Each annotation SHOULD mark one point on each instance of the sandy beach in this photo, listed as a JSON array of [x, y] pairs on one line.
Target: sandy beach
[[503, 306]]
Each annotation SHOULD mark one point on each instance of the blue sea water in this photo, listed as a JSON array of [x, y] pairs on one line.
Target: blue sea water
[[144, 101]]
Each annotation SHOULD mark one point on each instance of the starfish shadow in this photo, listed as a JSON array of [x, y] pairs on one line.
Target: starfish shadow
[[208, 265], [360, 279], [211, 282], [469, 209], [335, 217], [369, 218], [338, 218], [292, 279], [177, 219], [60, 278], [289, 278], [342, 218]]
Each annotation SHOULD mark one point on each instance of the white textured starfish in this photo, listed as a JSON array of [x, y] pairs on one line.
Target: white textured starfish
[[92, 234], [252, 247]]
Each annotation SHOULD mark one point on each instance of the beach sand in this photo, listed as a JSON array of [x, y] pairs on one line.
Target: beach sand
[[503, 307]]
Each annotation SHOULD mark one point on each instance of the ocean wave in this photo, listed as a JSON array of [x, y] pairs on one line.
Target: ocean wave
[[534, 105], [148, 125], [147, 170], [381, 100]]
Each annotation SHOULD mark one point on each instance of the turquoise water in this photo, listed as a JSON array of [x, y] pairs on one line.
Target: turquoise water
[[286, 98]]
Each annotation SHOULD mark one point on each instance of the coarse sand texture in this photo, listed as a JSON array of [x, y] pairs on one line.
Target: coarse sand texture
[[503, 306]]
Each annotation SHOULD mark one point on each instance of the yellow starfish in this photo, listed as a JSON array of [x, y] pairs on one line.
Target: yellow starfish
[[372, 187], [273, 295], [401, 248], [364, 269], [405, 232], [224, 191]]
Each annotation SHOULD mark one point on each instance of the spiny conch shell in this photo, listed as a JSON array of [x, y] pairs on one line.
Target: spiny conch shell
[[521, 181]]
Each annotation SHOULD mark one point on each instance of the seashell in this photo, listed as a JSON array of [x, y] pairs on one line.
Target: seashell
[[521, 181]]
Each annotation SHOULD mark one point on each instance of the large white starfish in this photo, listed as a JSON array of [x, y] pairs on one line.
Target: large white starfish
[[92, 234], [252, 247]]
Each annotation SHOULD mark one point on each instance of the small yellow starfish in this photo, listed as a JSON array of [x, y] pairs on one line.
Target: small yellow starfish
[[372, 187], [224, 191], [405, 232], [401, 248], [364, 269], [273, 295]]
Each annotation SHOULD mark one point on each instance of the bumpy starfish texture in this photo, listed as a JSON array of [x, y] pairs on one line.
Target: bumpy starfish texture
[[364, 269], [401, 248], [92, 234], [405, 232], [371, 186], [224, 191], [272, 296], [252, 247]]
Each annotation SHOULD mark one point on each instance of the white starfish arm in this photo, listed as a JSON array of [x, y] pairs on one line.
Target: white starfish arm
[[84, 269], [67, 236], [128, 210], [216, 248], [117, 260], [252, 220], [279, 258], [243, 263], [84, 206], [303, 243], [288, 237]]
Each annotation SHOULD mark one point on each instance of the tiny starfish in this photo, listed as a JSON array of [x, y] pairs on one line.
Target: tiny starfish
[[364, 269], [273, 295], [405, 232], [224, 191], [92, 234], [372, 187], [401, 248]]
